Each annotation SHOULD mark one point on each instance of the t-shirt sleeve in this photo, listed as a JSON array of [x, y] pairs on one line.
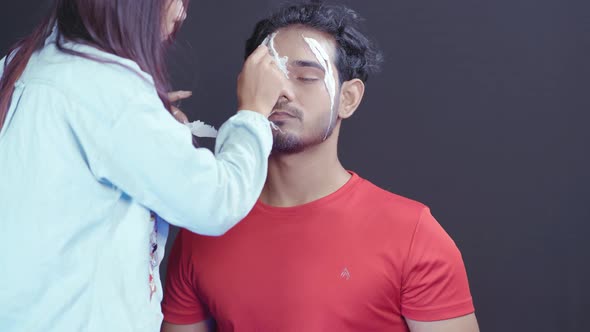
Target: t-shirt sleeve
[[181, 304], [435, 285]]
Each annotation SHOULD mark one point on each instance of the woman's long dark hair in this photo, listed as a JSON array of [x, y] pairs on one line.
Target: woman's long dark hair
[[131, 29]]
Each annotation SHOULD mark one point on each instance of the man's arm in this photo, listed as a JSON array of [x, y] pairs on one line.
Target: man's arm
[[197, 327], [466, 323]]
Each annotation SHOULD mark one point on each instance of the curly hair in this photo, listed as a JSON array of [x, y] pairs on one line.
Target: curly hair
[[356, 55]]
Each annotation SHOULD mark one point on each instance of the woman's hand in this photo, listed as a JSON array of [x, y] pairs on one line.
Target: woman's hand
[[175, 96]]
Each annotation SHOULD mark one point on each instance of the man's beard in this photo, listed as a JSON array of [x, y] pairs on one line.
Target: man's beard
[[288, 143]]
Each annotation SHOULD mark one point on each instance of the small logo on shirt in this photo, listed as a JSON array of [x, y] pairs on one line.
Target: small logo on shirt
[[345, 274]]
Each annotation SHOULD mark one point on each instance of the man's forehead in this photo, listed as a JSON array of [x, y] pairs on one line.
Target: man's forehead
[[307, 64], [292, 40]]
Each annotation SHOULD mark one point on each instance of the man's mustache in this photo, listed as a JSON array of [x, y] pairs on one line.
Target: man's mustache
[[282, 106]]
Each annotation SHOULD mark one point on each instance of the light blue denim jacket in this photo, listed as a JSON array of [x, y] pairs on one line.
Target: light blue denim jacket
[[86, 152]]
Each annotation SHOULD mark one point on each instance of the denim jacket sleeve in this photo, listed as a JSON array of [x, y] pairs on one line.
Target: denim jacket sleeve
[[150, 157]]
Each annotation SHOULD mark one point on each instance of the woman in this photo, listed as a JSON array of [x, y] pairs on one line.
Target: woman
[[88, 149]]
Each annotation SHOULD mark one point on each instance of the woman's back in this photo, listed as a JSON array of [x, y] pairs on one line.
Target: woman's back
[[83, 250], [91, 158]]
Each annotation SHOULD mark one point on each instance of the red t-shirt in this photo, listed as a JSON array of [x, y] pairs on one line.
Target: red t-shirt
[[360, 259]]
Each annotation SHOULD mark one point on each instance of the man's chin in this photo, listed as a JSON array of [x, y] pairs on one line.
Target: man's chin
[[277, 151], [286, 143]]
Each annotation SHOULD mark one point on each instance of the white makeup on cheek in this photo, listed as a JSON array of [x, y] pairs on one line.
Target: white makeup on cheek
[[324, 60]]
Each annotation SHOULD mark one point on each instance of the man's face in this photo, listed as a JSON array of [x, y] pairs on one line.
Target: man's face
[[303, 112]]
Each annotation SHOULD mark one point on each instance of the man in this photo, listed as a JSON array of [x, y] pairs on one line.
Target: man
[[323, 249]]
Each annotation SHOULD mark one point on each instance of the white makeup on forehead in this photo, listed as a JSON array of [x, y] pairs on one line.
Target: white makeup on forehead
[[324, 60], [281, 62], [269, 41], [322, 57]]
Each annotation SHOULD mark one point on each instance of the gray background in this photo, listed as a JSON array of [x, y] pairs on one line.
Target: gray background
[[481, 112]]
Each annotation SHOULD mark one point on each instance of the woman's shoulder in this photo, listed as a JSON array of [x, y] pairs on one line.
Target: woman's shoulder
[[91, 74]]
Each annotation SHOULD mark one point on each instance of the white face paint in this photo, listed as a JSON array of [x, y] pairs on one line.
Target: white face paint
[[281, 62], [269, 41], [324, 60]]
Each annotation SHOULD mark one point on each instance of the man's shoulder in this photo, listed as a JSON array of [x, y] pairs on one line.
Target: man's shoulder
[[384, 198]]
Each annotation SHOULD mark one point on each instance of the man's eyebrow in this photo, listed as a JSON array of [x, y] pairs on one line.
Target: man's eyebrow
[[304, 63]]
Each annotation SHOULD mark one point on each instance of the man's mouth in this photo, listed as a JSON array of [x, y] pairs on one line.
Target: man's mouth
[[281, 115]]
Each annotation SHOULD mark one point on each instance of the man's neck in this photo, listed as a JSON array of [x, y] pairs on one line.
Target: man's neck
[[299, 178]]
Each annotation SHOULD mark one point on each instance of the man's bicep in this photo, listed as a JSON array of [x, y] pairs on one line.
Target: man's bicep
[[466, 323], [196, 327], [181, 303], [435, 284]]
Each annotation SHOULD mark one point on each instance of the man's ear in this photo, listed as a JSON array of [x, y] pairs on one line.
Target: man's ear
[[351, 94]]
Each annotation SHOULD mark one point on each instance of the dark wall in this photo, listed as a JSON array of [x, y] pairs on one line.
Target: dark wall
[[481, 112]]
